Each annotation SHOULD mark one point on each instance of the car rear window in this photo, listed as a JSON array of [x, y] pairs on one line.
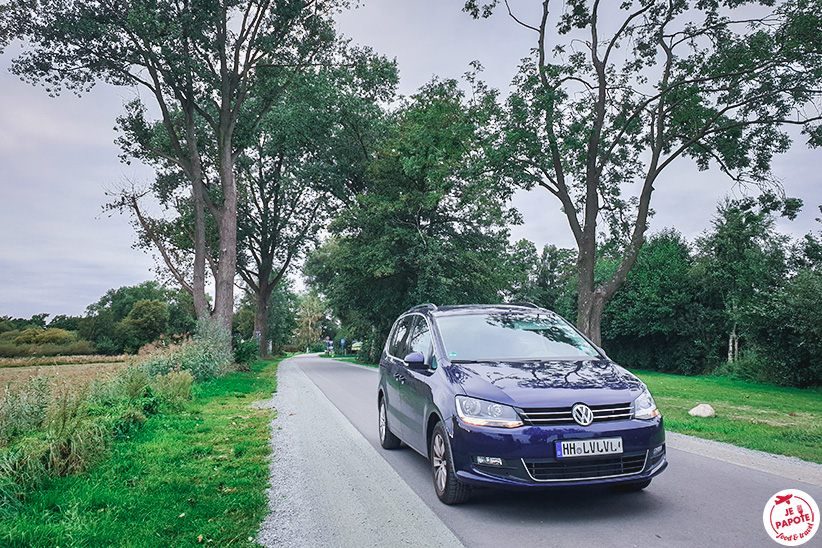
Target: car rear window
[[511, 337]]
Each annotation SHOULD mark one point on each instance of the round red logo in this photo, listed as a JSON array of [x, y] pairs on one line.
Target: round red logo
[[791, 517]]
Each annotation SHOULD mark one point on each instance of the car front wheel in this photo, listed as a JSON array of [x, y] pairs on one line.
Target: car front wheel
[[450, 490]]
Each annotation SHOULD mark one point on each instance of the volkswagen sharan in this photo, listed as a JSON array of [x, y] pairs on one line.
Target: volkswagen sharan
[[514, 397]]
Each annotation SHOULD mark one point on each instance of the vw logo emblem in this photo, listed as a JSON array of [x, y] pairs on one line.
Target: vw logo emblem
[[582, 414]]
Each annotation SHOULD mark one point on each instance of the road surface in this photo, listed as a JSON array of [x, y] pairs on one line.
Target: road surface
[[374, 497]]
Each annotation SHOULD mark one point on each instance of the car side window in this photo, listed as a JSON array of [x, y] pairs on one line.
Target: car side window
[[399, 339], [420, 340]]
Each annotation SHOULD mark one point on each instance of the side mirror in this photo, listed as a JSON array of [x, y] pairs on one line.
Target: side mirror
[[415, 361]]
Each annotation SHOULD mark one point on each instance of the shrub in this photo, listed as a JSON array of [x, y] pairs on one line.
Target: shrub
[[246, 351], [785, 330], [29, 336], [11, 350], [172, 389], [205, 357], [55, 336], [24, 409]]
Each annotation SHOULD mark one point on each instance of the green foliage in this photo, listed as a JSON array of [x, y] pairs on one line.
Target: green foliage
[[313, 321], [55, 336], [68, 323], [29, 336], [36, 341], [663, 319], [246, 351], [126, 319], [785, 329], [431, 224], [206, 356], [44, 436], [24, 409], [146, 321]]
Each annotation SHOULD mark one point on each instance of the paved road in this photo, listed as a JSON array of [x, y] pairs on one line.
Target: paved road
[[698, 501]]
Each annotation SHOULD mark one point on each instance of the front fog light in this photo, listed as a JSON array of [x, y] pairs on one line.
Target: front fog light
[[490, 461]]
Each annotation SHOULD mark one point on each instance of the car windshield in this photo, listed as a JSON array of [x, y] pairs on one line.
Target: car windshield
[[511, 337]]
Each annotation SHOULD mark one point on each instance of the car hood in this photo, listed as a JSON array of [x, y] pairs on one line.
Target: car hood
[[555, 383]]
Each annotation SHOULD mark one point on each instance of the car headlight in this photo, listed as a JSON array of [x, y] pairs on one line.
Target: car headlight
[[644, 406], [486, 413]]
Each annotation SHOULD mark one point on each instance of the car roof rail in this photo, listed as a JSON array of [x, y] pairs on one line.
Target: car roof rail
[[525, 304], [426, 306]]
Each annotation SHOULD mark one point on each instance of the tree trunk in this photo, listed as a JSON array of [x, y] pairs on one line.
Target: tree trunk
[[261, 321], [227, 223], [201, 306], [590, 305], [733, 346]]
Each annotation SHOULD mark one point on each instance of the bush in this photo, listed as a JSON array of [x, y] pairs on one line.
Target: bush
[[55, 336], [172, 389], [205, 357], [785, 331], [29, 336], [246, 351], [25, 409]]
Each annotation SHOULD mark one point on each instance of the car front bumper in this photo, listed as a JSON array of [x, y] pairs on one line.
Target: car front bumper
[[526, 457]]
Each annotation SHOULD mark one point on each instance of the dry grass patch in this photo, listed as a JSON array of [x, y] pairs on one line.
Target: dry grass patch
[[73, 374], [60, 360]]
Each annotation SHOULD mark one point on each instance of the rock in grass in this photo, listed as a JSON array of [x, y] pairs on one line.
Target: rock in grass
[[702, 410]]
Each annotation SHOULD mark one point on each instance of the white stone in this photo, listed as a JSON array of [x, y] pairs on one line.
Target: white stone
[[702, 410]]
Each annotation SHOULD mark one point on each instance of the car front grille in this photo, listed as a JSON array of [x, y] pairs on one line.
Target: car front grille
[[585, 469], [562, 415]]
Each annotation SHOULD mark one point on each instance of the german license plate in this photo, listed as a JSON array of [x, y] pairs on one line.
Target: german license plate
[[588, 448]]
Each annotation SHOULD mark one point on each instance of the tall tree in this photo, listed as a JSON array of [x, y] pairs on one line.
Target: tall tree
[[430, 225], [302, 166], [201, 63], [743, 256], [620, 91]]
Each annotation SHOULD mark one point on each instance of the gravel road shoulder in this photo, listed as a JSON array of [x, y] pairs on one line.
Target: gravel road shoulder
[[329, 488]]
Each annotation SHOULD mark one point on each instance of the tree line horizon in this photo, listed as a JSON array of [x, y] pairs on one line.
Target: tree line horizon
[[271, 127]]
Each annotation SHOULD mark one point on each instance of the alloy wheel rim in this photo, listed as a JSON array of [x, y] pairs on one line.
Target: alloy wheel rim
[[440, 464]]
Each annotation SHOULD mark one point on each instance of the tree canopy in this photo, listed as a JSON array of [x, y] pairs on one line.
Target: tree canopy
[[430, 224], [618, 92], [212, 70]]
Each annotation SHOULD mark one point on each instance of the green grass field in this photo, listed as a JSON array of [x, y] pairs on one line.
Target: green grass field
[[785, 421], [185, 479]]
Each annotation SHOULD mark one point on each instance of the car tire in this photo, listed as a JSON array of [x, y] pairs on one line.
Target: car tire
[[449, 489], [387, 438], [633, 487]]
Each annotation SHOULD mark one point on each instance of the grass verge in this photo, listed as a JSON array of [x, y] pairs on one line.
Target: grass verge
[[785, 421], [188, 478]]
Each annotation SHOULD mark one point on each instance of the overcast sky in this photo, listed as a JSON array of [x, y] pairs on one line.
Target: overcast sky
[[59, 252]]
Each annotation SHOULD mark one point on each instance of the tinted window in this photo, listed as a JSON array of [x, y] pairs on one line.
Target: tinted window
[[399, 337], [511, 336], [420, 340]]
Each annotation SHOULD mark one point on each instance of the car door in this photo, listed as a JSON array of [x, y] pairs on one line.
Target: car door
[[395, 376], [417, 390]]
